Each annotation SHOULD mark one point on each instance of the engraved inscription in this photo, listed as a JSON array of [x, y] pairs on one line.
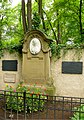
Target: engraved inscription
[[9, 78]]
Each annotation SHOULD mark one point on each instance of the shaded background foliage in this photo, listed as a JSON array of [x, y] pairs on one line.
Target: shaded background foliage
[[61, 20]]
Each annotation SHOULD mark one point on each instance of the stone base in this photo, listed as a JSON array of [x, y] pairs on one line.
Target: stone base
[[50, 90]]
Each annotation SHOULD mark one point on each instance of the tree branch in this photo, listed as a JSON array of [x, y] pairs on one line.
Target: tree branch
[[51, 28]]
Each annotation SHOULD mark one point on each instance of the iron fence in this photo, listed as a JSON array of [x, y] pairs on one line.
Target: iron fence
[[27, 106]]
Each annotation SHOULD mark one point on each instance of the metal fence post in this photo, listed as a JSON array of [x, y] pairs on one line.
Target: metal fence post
[[24, 97], [5, 103]]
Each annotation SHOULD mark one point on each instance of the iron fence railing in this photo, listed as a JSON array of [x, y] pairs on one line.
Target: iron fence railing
[[27, 106]]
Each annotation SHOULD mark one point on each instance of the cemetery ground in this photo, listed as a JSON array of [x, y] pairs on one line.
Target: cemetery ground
[[47, 114]]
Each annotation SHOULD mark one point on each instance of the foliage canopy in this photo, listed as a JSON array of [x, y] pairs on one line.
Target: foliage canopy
[[61, 20]]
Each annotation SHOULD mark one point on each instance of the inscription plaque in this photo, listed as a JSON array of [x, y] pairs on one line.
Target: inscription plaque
[[72, 67], [9, 65]]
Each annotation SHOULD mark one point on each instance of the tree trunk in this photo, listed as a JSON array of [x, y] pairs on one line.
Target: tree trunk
[[80, 18], [40, 11], [24, 17], [40, 7], [29, 14], [58, 28]]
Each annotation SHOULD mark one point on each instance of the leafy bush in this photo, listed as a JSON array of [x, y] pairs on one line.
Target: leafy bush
[[32, 98], [79, 115]]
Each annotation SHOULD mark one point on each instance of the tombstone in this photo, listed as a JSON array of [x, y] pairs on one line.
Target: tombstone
[[36, 58]]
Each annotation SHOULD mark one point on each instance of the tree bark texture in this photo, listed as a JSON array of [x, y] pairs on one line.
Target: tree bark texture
[[24, 17], [29, 14]]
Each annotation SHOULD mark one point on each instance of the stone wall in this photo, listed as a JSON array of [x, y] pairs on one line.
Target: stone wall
[[10, 77], [68, 84], [65, 84]]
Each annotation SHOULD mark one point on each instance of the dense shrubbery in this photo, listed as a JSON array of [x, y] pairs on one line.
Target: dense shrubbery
[[80, 114], [32, 97]]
